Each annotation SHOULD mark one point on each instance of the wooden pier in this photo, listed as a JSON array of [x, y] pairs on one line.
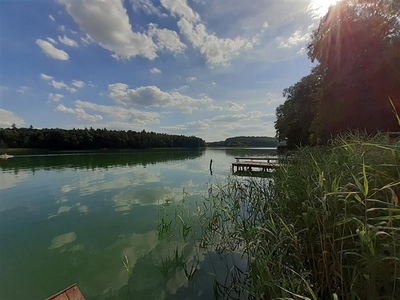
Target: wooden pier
[[263, 164], [70, 293]]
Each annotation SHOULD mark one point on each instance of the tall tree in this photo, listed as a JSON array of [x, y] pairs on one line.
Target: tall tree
[[295, 116], [357, 45]]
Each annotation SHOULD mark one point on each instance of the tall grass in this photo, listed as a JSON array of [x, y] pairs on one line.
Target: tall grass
[[326, 226]]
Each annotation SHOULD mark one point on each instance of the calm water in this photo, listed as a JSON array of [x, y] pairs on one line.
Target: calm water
[[77, 217]]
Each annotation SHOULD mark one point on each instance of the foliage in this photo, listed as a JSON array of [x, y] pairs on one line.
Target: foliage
[[295, 116], [356, 46], [246, 141], [85, 139], [327, 226]]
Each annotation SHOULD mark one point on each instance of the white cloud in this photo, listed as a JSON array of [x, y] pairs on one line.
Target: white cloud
[[167, 40], [133, 115], [61, 85], [189, 109], [147, 95], [152, 96], [107, 23], [213, 83], [264, 129], [52, 40], [23, 89], [180, 8], [155, 71], [52, 18], [80, 113], [87, 40], [190, 79], [230, 106], [295, 39], [181, 88], [62, 28], [67, 41], [234, 106], [46, 77], [78, 83], [52, 51], [214, 107], [55, 97], [147, 6], [238, 117], [4, 88], [189, 127], [218, 51], [7, 118]]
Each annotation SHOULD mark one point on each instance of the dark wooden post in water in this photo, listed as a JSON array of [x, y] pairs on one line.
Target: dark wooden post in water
[[211, 161]]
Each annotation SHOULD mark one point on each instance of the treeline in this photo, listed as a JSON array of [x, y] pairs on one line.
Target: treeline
[[246, 141], [356, 83], [88, 139]]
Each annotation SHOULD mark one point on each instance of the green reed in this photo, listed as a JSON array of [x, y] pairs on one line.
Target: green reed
[[325, 226]]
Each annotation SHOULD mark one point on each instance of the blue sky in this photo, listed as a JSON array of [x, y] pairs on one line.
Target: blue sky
[[213, 69]]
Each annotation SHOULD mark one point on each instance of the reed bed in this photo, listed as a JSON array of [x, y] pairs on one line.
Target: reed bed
[[326, 226]]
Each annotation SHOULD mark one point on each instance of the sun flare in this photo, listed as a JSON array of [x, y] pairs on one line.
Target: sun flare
[[320, 7]]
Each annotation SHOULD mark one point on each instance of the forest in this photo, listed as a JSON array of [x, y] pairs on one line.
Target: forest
[[355, 83], [246, 141], [92, 139]]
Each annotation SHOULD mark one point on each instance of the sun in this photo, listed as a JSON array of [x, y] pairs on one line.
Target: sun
[[319, 8]]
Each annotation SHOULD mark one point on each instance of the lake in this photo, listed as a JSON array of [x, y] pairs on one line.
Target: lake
[[91, 218]]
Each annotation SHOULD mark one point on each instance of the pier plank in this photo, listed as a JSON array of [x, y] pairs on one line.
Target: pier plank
[[70, 293], [264, 164]]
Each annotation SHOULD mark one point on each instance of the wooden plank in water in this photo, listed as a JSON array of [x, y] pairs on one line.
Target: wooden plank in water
[[70, 293], [62, 296], [74, 294]]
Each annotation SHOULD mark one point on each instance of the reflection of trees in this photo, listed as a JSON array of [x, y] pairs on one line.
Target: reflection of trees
[[175, 270], [192, 252], [98, 159]]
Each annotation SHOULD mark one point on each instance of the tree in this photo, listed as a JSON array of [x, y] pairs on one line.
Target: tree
[[357, 46], [60, 139], [295, 116]]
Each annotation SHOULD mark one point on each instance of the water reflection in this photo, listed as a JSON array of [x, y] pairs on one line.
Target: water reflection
[[74, 218], [62, 240], [92, 160], [9, 179]]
